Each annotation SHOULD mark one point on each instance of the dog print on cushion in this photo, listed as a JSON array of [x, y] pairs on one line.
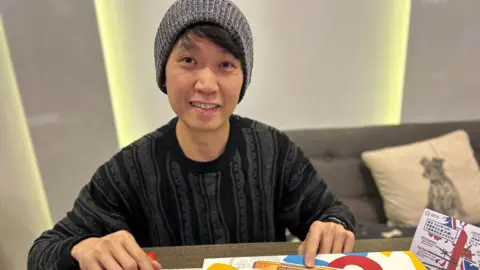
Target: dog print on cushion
[[443, 196]]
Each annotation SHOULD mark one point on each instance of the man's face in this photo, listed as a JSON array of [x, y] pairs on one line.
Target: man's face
[[203, 83]]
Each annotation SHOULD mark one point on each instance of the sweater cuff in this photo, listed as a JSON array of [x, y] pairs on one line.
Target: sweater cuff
[[66, 260]]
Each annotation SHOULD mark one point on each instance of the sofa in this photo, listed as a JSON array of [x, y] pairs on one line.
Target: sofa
[[336, 154]]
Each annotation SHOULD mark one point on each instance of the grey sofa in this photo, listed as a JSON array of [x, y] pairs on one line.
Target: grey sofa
[[335, 153]]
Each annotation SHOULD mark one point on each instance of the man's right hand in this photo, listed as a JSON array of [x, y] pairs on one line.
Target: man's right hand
[[115, 251]]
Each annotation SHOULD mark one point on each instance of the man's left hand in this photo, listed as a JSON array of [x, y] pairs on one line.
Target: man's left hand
[[323, 238]]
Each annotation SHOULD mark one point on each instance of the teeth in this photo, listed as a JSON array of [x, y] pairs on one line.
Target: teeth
[[204, 106]]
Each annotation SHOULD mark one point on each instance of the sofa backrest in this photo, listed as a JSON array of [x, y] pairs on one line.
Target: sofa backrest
[[335, 153]]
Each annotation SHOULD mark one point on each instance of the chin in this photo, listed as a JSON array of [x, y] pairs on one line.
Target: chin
[[204, 126]]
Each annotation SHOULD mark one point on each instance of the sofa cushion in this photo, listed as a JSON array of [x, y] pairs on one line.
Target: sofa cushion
[[365, 207], [441, 174], [360, 194], [342, 169]]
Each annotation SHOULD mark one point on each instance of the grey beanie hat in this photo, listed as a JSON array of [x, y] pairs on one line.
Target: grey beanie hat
[[184, 13]]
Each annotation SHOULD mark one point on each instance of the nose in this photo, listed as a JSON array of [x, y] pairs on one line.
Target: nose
[[206, 81]]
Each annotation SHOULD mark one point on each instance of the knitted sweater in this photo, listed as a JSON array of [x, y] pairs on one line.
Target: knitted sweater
[[260, 185]]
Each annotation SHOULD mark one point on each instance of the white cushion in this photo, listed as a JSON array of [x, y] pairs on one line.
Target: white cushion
[[440, 173]]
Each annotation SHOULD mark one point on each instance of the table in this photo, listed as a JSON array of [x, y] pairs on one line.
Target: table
[[192, 256]]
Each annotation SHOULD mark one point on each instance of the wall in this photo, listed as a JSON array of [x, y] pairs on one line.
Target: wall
[[60, 103], [442, 82], [24, 210], [58, 60], [319, 63]]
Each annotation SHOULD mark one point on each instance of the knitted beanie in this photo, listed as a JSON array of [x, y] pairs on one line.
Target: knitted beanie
[[184, 13]]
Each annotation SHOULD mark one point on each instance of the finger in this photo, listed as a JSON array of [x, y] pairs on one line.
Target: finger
[[349, 242], [311, 245], [301, 248], [90, 264], [123, 257], [107, 261], [156, 265], [140, 257], [326, 242], [338, 242]]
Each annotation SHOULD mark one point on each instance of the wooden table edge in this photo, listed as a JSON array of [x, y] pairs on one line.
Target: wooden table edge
[[193, 256]]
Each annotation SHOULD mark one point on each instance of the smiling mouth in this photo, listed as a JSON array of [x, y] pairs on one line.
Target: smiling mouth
[[205, 106]]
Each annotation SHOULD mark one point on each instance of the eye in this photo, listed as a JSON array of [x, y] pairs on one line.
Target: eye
[[226, 64], [188, 60]]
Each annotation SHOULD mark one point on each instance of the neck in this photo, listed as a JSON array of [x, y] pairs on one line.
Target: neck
[[202, 146]]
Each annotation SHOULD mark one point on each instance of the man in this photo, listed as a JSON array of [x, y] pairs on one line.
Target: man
[[207, 176]]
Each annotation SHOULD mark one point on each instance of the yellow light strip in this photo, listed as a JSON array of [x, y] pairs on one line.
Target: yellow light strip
[[111, 36], [390, 100], [19, 147]]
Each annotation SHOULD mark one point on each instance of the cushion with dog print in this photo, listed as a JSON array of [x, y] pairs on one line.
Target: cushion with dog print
[[441, 174]]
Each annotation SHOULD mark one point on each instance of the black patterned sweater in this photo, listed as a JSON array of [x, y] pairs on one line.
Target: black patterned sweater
[[260, 185]]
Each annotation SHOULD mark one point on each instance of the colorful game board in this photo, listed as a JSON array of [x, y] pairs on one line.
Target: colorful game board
[[404, 260], [443, 242]]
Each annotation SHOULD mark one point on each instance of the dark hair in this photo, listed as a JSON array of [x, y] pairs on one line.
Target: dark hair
[[215, 34]]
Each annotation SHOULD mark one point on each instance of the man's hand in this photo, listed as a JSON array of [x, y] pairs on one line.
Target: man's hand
[[116, 251], [325, 237]]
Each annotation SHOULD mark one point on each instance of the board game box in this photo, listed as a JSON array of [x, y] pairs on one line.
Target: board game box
[[440, 243], [444, 242]]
